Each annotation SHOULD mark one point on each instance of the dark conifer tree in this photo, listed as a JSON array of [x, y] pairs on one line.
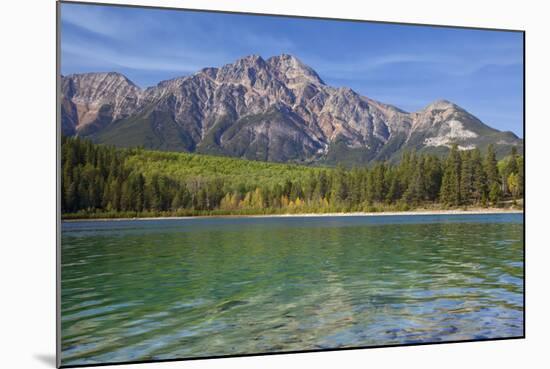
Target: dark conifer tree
[[479, 186], [491, 168], [466, 178], [450, 186]]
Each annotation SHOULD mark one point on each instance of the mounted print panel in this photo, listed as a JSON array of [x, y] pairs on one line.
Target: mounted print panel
[[243, 184]]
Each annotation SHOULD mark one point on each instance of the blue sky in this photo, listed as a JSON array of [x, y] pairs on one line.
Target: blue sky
[[406, 66]]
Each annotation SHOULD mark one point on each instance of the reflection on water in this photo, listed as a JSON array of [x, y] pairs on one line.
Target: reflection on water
[[141, 290]]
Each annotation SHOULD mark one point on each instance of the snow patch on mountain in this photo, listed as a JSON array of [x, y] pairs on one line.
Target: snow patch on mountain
[[449, 133]]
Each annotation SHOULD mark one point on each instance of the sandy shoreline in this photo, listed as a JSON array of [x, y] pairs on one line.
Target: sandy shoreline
[[312, 215]]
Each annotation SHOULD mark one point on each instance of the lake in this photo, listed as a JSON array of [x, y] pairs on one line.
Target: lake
[[182, 288]]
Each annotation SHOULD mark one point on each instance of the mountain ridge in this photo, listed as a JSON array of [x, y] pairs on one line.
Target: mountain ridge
[[275, 109]]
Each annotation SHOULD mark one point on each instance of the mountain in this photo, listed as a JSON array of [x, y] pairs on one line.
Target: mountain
[[277, 109]]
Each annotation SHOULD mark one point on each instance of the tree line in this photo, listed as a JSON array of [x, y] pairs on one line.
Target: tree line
[[100, 180]]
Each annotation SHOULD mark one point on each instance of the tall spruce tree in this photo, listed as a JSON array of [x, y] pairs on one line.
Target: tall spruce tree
[[491, 167], [466, 178], [521, 178], [493, 178], [416, 192], [340, 185], [479, 187], [450, 186]]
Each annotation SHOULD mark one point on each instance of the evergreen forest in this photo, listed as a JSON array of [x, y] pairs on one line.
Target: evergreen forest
[[101, 181]]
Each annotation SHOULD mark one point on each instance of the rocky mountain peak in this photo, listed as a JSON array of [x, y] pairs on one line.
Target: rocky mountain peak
[[246, 70], [441, 104], [253, 60], [93, 100], [292, 70], [100, 85], [116, 78]]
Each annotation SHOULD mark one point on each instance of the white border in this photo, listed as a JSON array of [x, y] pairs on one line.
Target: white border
[[27, 184]]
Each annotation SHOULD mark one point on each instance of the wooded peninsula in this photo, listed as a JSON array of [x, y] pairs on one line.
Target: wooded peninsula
[[106, 182]]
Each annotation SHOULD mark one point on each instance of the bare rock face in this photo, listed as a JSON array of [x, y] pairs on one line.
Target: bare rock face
[[93, 100], [277, 109], [292, 71]]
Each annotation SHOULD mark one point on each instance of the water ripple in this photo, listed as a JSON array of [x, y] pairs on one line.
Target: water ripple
[[205, 287]]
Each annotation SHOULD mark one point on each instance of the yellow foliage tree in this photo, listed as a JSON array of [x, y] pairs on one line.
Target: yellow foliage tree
[[257, 201], [246, 202], [513, 184], [225, 204], [284, 201]]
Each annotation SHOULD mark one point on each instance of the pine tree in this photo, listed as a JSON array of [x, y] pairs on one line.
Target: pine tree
[[466, 178], [311, 187], [296, 191], [323, 184], [377, 184], [416, 192], [491, 168], [340, 186], [356, 187], [432, 167], [139, 193], [479, 193], [394, 189], [125, 197], [521, 179], [495, 193], [450, 186]]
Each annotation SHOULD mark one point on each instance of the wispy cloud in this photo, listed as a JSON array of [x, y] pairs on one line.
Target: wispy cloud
[[364, 64], [158, 42], [110, 40], [93, 19], [112, 58], [452, 65]]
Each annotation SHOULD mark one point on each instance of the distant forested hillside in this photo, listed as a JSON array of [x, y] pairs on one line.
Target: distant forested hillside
[[104, 181]]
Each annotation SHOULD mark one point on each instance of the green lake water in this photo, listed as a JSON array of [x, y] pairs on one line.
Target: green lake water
[[182, 288]]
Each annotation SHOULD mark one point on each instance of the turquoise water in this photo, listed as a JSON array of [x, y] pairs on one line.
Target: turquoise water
[[181, 288]]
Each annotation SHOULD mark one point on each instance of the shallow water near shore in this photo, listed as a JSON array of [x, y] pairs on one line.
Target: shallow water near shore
[[181, 288]]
